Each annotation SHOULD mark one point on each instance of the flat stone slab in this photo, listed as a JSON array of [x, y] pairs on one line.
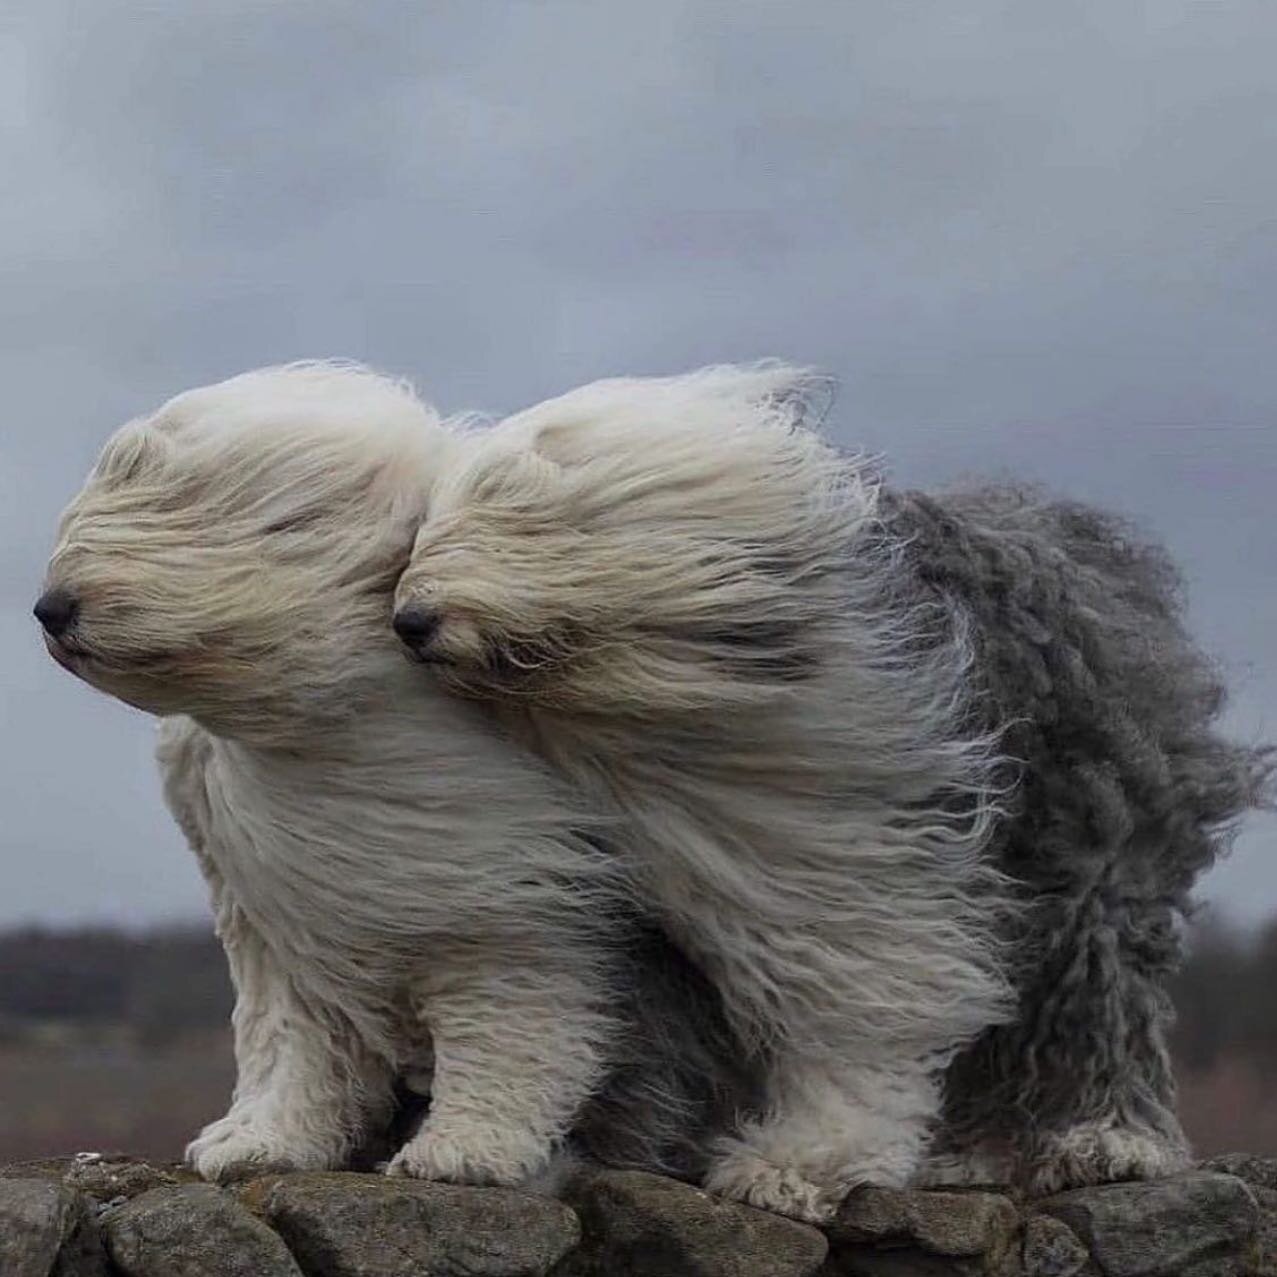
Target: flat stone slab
[[342, 1224], [193, 1230], [108, 1177], [1201, 1224], [943, 1223], [640, 1225]]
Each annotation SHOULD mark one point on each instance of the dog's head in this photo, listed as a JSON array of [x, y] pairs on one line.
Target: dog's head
[[233, 555], [640, 543]]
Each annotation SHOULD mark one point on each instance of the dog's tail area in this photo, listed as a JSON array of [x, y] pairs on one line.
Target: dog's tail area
[[1158, 695], [1165, 694], [1082, 623]]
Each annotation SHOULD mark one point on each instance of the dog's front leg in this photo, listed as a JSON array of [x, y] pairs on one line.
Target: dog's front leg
[[305, 1090], [830, 1126], [519, 1047]]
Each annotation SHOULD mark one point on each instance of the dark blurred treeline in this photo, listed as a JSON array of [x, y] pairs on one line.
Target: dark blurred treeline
[[161, 984], [1226, 996], [166, 982]]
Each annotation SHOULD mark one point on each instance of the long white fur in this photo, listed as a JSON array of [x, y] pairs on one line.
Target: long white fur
[[388, 872], [817, 843]]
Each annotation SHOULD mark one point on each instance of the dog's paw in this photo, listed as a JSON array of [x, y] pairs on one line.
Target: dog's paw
[[480, 1156], [234, 1148], [744, 1176], [1101, 1153]]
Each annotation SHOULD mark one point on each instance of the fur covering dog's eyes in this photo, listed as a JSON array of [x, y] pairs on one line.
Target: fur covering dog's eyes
[[295, 521]]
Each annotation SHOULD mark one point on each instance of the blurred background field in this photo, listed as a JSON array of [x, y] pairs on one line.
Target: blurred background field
[[119, 1041], [111, 1040]]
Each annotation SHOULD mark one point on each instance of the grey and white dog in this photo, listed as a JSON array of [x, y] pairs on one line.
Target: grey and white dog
[[922, 782]]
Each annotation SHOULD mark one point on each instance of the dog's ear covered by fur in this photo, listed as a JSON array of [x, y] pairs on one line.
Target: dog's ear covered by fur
[[662, 543]]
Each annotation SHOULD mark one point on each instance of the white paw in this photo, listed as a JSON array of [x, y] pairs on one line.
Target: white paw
[[745, 1177], [1102, 1153], [478, 1156], [237, 1148]]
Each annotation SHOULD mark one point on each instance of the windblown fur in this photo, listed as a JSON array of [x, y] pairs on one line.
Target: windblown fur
[[398, 887], [921, 782]]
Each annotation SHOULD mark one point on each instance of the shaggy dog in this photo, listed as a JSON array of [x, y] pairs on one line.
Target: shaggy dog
[[921, 782], [391, 877]]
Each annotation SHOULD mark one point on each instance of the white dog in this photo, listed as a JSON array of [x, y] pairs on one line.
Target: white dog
[[389, 874], [784, 681]]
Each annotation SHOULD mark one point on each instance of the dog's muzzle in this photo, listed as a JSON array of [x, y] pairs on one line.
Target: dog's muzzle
[[56, 610], [416, 627]]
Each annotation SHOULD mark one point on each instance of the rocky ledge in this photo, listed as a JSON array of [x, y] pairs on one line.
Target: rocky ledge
[[104, 1216]]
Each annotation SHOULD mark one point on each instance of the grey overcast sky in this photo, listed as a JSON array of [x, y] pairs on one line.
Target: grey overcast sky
[[1035, 236]]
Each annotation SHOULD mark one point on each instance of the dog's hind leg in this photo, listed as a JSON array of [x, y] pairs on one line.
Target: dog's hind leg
[[1102, 1050], [1079, 1089]]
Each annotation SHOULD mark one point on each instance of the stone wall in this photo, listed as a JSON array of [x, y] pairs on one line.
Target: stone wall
[[95, 1216]]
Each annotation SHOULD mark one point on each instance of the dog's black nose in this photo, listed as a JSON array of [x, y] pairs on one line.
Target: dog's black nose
[[56, 610], [416, 626]]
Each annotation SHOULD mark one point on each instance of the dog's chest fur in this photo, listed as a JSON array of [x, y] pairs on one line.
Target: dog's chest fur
[[379, 860]]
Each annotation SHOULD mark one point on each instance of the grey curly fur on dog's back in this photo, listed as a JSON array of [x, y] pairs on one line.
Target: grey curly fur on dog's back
[[1124, 792]]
